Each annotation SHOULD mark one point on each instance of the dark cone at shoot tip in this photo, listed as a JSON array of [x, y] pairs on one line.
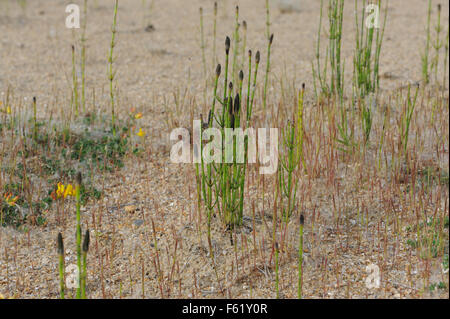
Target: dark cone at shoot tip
[[60, 244], [271, 39], [218, 70], [34, 99], [237, 104], [258, 57], [227, 45], [86, 241], [78, 178], [302, 219], [303, 86], [241, 75], [249, 53]]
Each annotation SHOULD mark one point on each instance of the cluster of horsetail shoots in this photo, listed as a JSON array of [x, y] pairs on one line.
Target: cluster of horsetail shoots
[[82, 251]]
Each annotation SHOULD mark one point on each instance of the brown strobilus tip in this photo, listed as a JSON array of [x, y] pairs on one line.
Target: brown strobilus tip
[[237, 104], [227, 45], [78, 180], [215, 7], [244, 24], [303, 86], [276, 246], [230, 86], [271, 38], [60, 244], [232, 121], [250, 53], [218, 70], [257, 57], [302, 219], [439, 7], [241, 75], [86, 241], [34, 99]]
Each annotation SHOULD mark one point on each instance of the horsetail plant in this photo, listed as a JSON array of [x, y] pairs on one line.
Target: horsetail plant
[[367, 57], [111, 62], [84, 270], [333, 53], [60, 250], [266, 80], [236, 42], [300, 257], [223, 183], [289, 163], [78, 230]]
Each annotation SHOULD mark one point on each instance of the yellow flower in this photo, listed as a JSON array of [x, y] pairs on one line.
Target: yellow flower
[[64, 191], [141, 133], [60, 190], [10, 201], [138, 116], [69, 191], [8, 110]]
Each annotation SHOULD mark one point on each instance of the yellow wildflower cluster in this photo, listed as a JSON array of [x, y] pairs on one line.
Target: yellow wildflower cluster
[[10, 201], [64, 191]]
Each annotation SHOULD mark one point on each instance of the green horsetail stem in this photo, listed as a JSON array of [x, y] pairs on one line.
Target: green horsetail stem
[[111, 72], [84, 273], [236, 43], [60, 250], [78, 231], [257, 60], [300, 257], [244, 41], [267, 72]]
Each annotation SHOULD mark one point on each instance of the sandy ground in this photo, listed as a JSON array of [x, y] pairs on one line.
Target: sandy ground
[[35, 60]]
